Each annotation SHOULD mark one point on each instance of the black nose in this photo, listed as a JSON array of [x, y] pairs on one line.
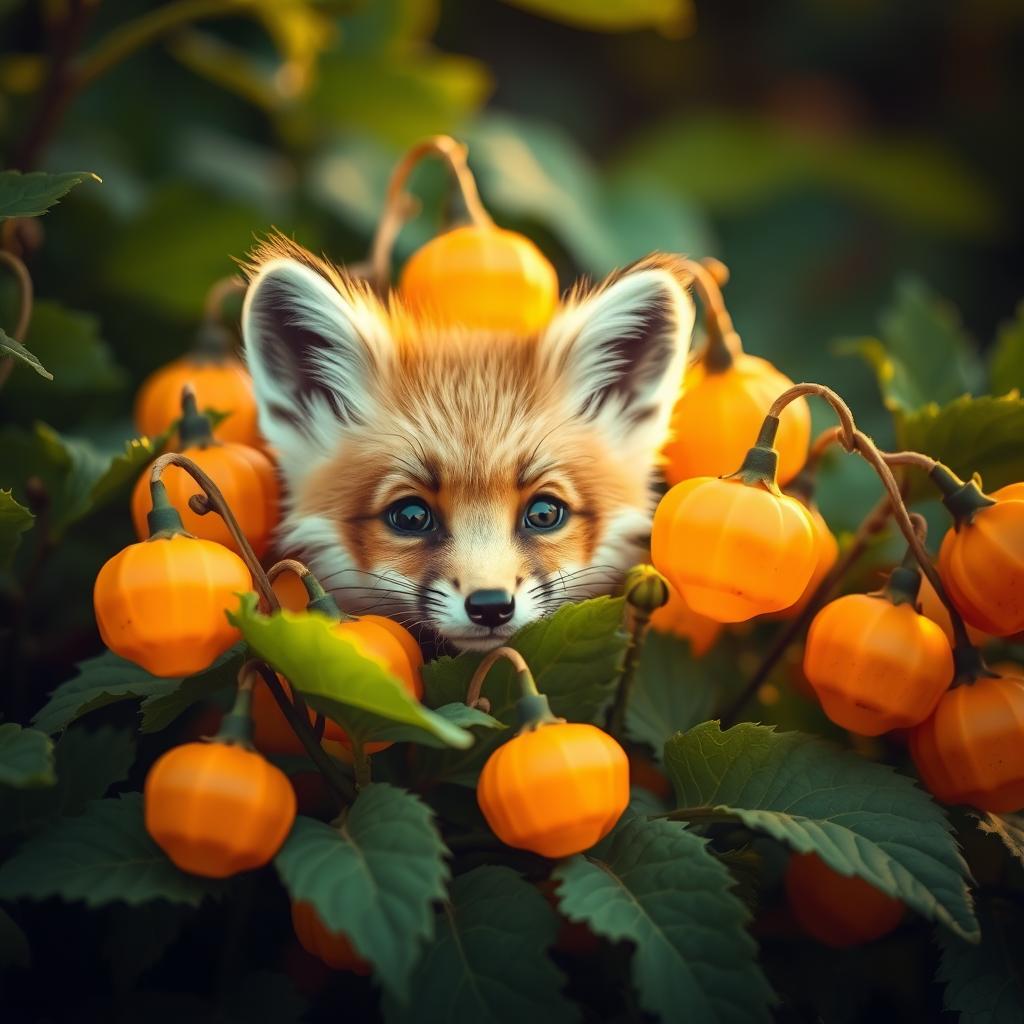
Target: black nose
[[490, 607]]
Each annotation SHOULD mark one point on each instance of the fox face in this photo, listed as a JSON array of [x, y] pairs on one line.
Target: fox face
[[461, 482]]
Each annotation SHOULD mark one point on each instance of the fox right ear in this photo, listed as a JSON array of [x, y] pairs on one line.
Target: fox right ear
[[313, 347]]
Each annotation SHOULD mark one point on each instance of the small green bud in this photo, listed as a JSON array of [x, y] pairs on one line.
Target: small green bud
[[645, 589]]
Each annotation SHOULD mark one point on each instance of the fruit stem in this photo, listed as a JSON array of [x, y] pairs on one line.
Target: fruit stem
[[318, 600], [904, 583], [963, 499], [194, 428], [523, 675], [398, 203], [969, 665], [25, 303], [761, 463], [212, 500], [163, 518], [236, 728], [723, 343]]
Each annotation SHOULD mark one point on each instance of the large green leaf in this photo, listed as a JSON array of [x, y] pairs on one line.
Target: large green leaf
[[102, 856], [26, 757], [672, 17], [1007, 828], [15, 519], [1006, 362], [970, 435], [922, 355], [985, 982], [374, 877], [13, 349], [487, 961], [108, 678], [860, 817], [86, 763], [673, 691], [657, 885], [574, 655], [364, 698], [31, 195]]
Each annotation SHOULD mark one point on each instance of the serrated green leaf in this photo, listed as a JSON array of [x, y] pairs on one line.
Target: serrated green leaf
[[860, 817], [1006, 363], [102, 856], [15, 350], [1007, 828], [656, 885], [26, 757], [969, 435], [14, 947], [673, 17], [31, 195], [15, 519], [108, 678], [364, 698], [985, 982], [86, 763], [574, 655], [923, 355], [375, 878], [673, 691], [487, 961]]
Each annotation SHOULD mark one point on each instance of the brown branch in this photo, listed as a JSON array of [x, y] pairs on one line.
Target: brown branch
[[473, 698], [25, 305]]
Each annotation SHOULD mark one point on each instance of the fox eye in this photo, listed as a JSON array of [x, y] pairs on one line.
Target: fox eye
[[544, 513], [410, 515]]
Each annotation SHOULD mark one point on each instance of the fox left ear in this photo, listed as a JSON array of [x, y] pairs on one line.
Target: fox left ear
[[622, 348]]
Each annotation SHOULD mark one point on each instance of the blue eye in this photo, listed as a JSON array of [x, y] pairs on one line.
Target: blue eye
[[544, 514], [410, 515]]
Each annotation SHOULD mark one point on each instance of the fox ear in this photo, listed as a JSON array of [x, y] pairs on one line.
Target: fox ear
[[314, 347], [622, 348]]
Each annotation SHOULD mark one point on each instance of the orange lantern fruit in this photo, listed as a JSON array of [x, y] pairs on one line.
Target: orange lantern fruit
[[161, 602], [481, 276], [875, 663], [826, 554], [728, 405], [333, 948], [933, 608], [970, 751], [245, 476], [838, 910]]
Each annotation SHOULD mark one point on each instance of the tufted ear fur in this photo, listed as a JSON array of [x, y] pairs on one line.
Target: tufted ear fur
[[315, 342], [621, 349]]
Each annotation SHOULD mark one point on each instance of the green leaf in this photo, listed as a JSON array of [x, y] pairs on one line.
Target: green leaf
[[365, 699], [87, 763], [985, 982], [26, 757], [31, 195], [1007, 828], [107, 679], [923, 355], [487, 960], [860, 817], [574, 655], [656, 885], [15, 519], [14, 947], [468, 718], [673, 691], [15, 349], [375, 878], [102, 856], [970, 435], [672, 17], [1006, 363]]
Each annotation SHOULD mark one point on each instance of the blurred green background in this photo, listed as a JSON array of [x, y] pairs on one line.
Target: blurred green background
[[826, 150]]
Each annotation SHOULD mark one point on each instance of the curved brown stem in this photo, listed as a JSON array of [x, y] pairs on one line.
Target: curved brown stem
[[397, 204], [847, 426], [213, 304], [918, 459], [288, 565], [473, 698], [25, 303], [724, 343], [212, 500]]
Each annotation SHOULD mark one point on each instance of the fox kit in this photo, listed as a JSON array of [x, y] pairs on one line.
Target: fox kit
[[462, 482]]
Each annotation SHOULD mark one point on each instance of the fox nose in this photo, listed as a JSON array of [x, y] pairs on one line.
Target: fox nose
[[490, 607]]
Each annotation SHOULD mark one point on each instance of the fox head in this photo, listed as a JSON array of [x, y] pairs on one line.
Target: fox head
[[463, 482]]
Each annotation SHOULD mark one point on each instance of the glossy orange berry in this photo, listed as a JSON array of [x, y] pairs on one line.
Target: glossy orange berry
[[933, 608], [826, 554], [971, 750], [679, 619], [838, 910], [481, 276], [718, 414], [876, 665], [217, 808], [333, 948], [982, 562], [555, 789], [161, 603], [221, 383], [733, 550]]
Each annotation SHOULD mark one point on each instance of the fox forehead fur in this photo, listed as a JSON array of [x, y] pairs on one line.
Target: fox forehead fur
[[367, 406]]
